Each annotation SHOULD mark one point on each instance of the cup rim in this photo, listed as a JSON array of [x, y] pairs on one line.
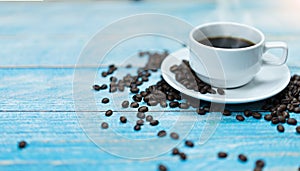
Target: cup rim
[[227, 23]]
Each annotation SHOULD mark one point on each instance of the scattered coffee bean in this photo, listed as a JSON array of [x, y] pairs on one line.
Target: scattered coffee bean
[[105, 100], [152, 103], [113, 89], [162, 133], [143, 109], [161, 167], [174, 135], [280, 128], [275, 120], [297, 110], [201, 111], [256, 115], [298, 129], [154, 122], [281, 119], [134, 90], [104, 125], [140, 122], [141, 115], [103, 87], [149, 118], [183, 106], [134, 105], [137, 127], [182, 156], [123, 119], [163, 104], [222, 155], [113, 79], [125, 104], [189, 143], [104, 74], [173, 104], [242, 158], [240, 117], [175, 151], [292, 121], [22, 144], [259, 163], [268, 117], [220, 91], [247, 113], [96, 87], [226, 112], [108, 113], [137, 98]]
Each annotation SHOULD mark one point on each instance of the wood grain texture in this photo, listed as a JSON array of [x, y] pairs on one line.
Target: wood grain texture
[[40, 45]]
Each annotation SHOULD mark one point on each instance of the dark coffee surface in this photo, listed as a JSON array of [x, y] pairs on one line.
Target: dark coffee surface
[[226, 42]]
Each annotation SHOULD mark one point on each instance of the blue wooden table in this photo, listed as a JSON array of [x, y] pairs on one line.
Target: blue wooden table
[[40, 44]]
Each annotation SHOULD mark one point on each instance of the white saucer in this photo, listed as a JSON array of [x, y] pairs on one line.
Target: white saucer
[[269, 81]]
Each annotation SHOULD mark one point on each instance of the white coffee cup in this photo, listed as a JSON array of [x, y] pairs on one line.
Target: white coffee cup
[[231, 67]]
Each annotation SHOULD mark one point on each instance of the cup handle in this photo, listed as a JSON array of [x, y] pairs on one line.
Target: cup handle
[[273, 45]]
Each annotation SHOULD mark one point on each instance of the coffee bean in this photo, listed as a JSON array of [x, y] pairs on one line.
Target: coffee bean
[[22, 144], [226, 112], [275, 120], [247, 113], [140, 122], [162, 133], [280, 128], [152, 103], [201, 111], [113, 89], [173, 104], [297, 110], [183, 106], [298, 129], [189, 143], [134, 105], [143, 109], [149, 118], [105, 100], [137, 98], [161, 167], [242, 158], [123, 119], [134, 90], [104, 125], [103, 87], [104, 74], [220, 91], [137, 127], [108, 113], [259, 163], [240, 117], [174, 135], [256, 115], [281, 119], [96, 87], [182, 156], [292, 121], [140, 115], [222, 155], [145, 79], [163, 104], [125, 104], [175, 151], [154, 122], [268, 117]]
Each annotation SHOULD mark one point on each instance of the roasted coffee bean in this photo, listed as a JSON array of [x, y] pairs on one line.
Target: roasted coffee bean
[[140, 122], [123, 119], [105, 100], [103, 87], [174, 135], [96, 87], [134, 105], [22, 144], [175, 151], [113, 79], [145, 79], [162, 133], [170, 97], [137, 127], [183, 106], [143, 109], [154, 122], [182, 156], [108, 113], [240, 117], [248, 113], [113, 89], [162, 167], [220, 91], [201, 111], [242, 158], [134, 90], [281, 119], [173, 104], [137, 98], [125, 104], [149, 118], [256, 115], [226, 112], [141, 115], [297, 110], [260, 163], [189, 143], [222, 155], [275, 120], [280, 128], [285, 114], [128, 66], [292, 121], [152, 103], [298, 129], [268, 117], [143, 93], [163, 104], [104, 125], [104, 74]]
